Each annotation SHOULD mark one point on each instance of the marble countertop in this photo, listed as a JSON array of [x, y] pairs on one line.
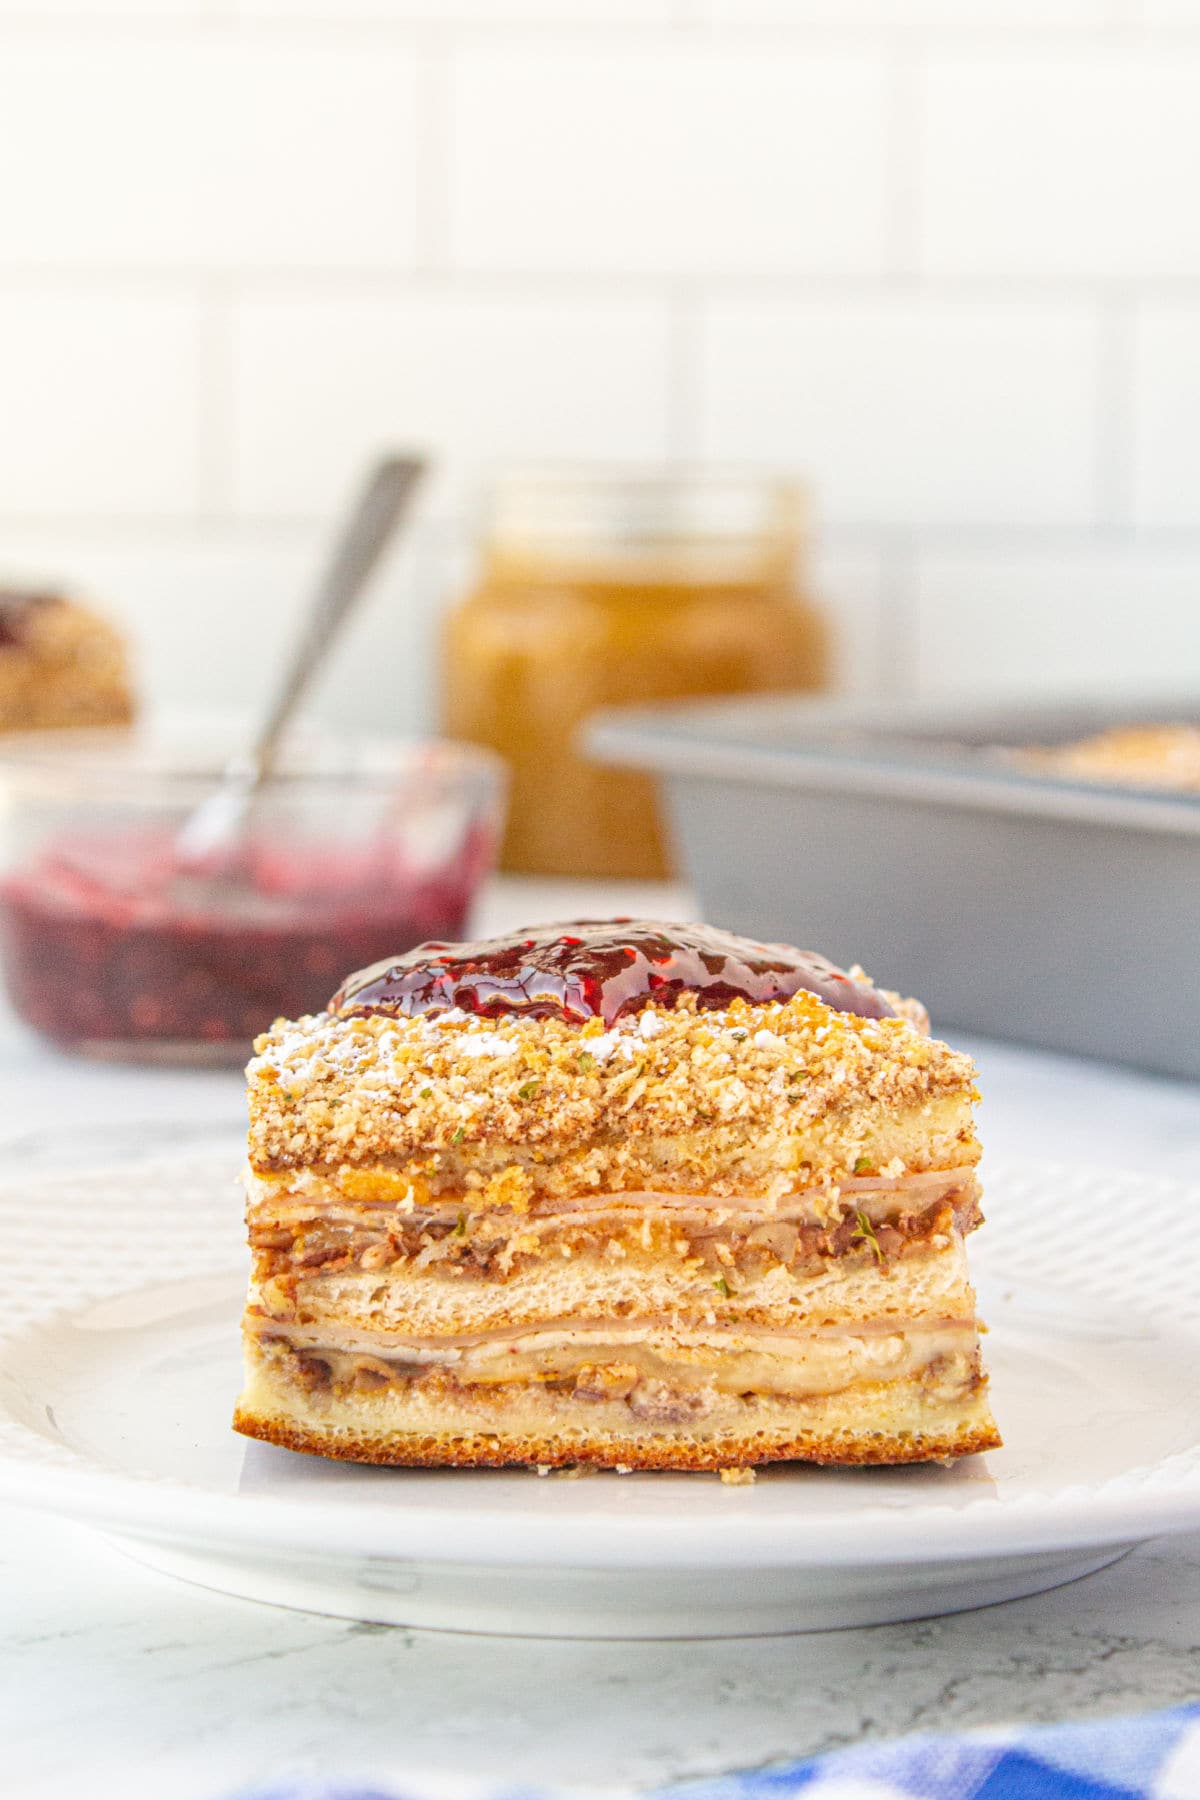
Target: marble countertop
[[116, 1681]]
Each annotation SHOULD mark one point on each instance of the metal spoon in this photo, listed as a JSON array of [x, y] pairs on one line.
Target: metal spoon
[[216, 825]]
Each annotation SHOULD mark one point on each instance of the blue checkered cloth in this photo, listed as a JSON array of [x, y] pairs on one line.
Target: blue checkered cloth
[[1154, 1756]]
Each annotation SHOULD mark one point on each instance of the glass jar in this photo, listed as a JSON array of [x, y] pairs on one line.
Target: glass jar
[[602, 590]]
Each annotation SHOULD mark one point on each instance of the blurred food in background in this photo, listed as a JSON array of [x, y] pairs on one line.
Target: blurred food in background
[[60, 664], [599, 589], [1166, 756], [352, 853]]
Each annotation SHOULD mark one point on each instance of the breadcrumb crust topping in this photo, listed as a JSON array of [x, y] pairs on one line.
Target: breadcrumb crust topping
[[342, 1089]]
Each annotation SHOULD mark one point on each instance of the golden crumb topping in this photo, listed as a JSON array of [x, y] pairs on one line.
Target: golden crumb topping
[[334, 1090]]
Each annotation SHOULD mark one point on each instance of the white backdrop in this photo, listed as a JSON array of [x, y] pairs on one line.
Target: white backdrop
[[942, 257]]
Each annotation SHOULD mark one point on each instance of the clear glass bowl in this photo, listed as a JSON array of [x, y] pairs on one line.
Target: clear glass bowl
[[111, 946]]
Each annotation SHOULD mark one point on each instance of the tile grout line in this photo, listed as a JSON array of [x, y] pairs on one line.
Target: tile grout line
[[904, 144], [691, 16], [899, 626], [434, 158], [997, 540], [684, 374], [216, 404], [1116, 447], [801, 288]]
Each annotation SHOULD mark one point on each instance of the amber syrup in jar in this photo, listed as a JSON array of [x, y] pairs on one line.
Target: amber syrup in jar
[[609, 590]]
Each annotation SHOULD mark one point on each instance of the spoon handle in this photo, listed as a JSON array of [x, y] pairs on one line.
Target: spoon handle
[[380, 505]]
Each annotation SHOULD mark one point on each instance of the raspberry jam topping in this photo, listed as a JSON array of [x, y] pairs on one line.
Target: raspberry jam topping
[[600, 970], [104, 944]]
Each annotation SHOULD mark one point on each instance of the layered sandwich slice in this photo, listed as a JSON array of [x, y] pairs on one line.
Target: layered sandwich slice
[[631, 1194], [61, 664]]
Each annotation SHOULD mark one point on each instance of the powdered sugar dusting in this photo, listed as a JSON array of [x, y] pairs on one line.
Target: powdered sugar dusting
[[484, 1043]]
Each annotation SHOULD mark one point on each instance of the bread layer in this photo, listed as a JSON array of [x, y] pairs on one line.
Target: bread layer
[[432, 1424], [930, 1280]]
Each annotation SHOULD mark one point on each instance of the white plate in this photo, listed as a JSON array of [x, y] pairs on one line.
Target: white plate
[[117, 1378]]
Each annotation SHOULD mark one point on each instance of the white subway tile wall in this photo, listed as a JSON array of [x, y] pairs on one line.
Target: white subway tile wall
[[940, 257], [475, 377], [881, 396], [1170, 12], [917, 14], [102, 401], [1061, 161], [1166, 420], [468, 12], [211, 154], [1097, 612], [665, 157]]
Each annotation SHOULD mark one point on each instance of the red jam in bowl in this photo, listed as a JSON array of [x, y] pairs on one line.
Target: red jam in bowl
[[600, 969], [105, 942]]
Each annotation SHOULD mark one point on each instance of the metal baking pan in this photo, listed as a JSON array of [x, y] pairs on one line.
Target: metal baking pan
[[1020, 905]]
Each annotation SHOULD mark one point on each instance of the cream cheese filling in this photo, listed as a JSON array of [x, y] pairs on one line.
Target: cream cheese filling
[[738, 1360]]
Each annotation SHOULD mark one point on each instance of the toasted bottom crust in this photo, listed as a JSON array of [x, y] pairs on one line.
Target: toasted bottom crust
[[482, 1451], [883, 1424]]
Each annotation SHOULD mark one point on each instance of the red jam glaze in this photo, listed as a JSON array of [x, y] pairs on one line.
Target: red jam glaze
[[600, 970], [103, 943]]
